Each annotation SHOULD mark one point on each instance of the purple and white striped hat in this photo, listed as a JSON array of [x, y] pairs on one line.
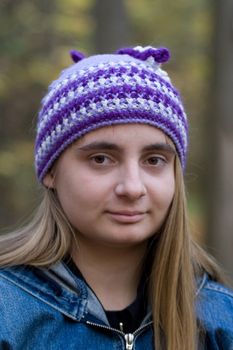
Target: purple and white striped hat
[[102, 90]]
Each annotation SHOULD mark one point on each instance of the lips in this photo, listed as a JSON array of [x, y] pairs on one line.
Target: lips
[[127, 216]]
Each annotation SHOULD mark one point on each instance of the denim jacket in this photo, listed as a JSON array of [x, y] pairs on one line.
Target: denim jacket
[[53, 309]]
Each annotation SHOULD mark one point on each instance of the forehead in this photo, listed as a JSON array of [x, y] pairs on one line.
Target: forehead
[[126, 133]]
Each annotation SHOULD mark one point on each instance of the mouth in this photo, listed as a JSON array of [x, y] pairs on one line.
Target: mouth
[[127, 216]]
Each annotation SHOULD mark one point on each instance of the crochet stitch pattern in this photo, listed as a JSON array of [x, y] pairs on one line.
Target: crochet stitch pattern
[[103, 90]]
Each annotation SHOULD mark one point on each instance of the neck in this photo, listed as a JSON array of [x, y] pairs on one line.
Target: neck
[[112, 273]]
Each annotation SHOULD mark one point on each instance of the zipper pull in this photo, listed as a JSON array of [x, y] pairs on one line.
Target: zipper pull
[[129, 339]]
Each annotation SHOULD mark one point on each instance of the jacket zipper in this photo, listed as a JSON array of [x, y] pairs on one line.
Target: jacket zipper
[[129, 337], [129, 341]]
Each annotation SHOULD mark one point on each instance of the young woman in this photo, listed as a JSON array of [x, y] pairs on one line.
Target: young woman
[[107, 262]]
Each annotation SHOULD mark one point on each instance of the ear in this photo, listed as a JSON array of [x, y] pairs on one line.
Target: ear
[[48, 180]]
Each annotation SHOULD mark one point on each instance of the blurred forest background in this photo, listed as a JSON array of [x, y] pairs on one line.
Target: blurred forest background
[[35, 39]]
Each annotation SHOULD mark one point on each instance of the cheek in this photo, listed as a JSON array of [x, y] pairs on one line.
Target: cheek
[[79, 195], [68, 191], [164, 193], [74, 204]]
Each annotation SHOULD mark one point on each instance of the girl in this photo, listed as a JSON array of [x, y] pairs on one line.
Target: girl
[[107, 262]]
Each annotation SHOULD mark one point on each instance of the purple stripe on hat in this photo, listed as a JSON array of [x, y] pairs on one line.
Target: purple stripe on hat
[[106, 73], [104, 93], [120, 115], [112, 118]]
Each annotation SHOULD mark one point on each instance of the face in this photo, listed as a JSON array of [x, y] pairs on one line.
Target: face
[[116, 184]]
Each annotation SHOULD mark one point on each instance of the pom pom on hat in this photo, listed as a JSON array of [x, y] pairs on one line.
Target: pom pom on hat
[[160, 55]]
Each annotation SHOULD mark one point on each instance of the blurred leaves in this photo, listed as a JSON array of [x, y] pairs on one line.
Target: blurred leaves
[[14, 158]]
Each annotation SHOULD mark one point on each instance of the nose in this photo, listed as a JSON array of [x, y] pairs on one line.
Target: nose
[[130, 183]]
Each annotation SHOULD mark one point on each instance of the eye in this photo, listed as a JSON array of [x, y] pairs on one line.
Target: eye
[[156, 160], [101, 159]]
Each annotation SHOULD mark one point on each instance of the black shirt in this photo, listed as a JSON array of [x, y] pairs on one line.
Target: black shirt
[[128, 319]]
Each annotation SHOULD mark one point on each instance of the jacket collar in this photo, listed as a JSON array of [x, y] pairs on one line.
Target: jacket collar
[[53, 286], [58, 287]]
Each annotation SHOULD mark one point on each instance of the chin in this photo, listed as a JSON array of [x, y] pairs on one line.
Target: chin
[[128, 239]]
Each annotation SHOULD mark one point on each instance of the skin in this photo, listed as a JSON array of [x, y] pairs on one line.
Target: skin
[[115, 185]]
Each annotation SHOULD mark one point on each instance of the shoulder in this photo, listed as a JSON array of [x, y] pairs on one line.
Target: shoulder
[[20, 276], [214, 306], [53, 286], [17, 296], [36, 281], [26, 285], [17, 285], [11, 277], [214, 302], [214, 295]]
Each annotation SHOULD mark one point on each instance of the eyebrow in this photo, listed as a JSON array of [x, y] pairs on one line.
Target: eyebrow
[[94, 146], [160, 147], [99, 145]]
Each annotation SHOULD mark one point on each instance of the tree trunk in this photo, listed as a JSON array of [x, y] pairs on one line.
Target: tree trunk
[[112, 26], [220, 140]]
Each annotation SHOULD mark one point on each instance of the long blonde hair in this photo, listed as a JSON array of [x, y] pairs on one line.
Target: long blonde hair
[[177, 261]]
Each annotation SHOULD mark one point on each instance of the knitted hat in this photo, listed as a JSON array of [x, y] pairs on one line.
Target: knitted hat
[[102, 90]]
